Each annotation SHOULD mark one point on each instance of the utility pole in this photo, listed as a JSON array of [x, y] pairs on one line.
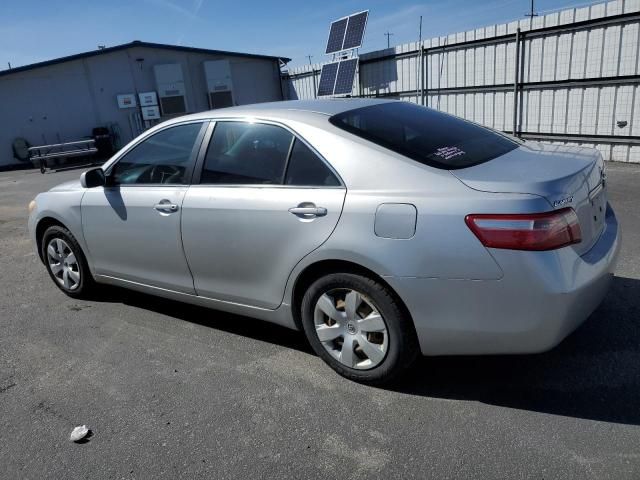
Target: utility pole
[[531, 15], [9, 63], [388, 35], [313, 76]]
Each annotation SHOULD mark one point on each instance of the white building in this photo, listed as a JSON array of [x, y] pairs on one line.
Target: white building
[[62, 100]]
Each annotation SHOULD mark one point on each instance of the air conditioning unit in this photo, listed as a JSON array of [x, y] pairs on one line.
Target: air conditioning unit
[[219, 83], [171, 89]]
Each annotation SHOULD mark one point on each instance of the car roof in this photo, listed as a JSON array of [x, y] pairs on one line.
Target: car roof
[[284, 109]]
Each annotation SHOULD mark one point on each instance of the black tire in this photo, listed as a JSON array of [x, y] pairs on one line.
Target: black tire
[[402, 350], [86, 284]]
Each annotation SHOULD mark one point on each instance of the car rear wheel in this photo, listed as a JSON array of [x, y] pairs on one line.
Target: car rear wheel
[[357, 326], [66, 262]]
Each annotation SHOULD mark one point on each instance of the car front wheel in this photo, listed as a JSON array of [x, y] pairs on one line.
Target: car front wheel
[[357, 326], [65, 262]]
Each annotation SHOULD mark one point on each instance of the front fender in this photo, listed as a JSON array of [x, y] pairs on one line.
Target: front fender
[[65, 207]]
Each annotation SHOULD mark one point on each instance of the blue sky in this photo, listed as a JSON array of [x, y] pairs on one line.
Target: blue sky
[[36, 30]]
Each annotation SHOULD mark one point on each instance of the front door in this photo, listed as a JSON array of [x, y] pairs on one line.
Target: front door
[[263, 202], [132, 225]]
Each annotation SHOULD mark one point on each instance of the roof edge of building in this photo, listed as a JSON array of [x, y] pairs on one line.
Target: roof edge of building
[[135, 43]]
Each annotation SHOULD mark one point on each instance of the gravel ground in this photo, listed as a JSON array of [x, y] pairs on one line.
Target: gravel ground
[[174, 391]]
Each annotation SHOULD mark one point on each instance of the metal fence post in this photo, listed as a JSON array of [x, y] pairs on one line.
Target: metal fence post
[[313, 76], [515, 83], [423, 67]]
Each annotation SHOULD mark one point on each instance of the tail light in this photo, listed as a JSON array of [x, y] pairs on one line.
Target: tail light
[[535, 231]]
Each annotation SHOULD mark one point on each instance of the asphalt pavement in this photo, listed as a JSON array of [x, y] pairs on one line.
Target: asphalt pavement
[[174, 391]]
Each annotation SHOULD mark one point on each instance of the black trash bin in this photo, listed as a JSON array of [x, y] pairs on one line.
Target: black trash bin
[[104, 143]]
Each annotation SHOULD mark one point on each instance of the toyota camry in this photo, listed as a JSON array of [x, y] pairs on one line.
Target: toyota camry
[[382, 229]]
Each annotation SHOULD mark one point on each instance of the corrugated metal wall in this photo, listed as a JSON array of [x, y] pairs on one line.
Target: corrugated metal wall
[[576, 82]]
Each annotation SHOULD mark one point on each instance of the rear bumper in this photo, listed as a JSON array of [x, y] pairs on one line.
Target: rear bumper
[[542, 297]]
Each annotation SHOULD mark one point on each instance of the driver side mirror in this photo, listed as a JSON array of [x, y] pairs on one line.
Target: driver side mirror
[[93, 178]]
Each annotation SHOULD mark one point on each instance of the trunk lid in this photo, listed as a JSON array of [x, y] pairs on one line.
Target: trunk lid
[[566, 176]]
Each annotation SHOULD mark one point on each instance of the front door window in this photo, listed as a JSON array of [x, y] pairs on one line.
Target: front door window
[[164, 158]]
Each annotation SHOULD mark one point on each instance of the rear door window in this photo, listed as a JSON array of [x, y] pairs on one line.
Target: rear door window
[[425, 135], [305, 168], [246, 153]]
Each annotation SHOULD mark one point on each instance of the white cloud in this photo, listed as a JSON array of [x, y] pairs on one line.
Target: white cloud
[[176, 8], [197, 5], [403, 16]]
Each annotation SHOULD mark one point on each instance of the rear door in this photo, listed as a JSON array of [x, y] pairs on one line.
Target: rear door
[[262, 200]]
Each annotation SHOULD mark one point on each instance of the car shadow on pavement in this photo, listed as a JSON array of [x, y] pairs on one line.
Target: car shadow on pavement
[[593, 374], [227, 322]]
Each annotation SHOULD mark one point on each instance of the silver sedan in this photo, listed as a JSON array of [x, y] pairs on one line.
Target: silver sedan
[[382, 229]]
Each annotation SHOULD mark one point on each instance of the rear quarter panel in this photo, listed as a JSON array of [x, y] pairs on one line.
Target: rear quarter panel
[[442, 247]]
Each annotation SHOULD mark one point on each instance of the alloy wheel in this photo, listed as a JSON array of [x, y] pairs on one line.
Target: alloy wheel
[[63, 264], [351, 329]]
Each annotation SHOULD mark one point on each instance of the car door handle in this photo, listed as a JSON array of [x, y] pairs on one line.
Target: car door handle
[[164, 207], [309, 212]]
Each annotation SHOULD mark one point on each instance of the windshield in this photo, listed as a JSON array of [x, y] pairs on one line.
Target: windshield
[[425, 135]]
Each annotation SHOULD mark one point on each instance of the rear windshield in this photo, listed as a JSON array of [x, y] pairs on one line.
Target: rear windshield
[[425, 135]]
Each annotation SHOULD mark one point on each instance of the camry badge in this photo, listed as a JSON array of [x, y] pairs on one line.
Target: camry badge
[[564, 201]]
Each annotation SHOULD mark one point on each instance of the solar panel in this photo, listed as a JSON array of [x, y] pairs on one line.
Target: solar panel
[[336, 35], [327, 79], [346, 74], [355, 30]]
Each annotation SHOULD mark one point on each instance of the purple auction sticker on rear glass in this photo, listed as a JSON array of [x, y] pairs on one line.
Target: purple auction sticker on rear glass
[[449, 152]]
